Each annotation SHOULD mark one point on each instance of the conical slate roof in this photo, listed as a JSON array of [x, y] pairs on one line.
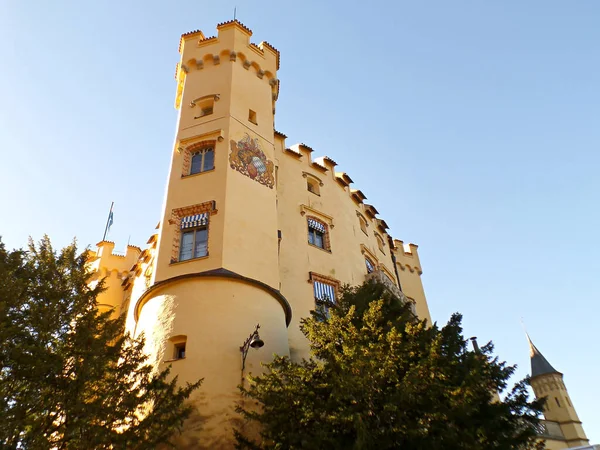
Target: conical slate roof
[[539, 364]]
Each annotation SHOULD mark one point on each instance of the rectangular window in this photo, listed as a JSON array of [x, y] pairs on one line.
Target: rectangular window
[[317, 234], [194, 244]]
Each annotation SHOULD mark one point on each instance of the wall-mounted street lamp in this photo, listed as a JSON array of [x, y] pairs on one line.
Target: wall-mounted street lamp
[[253, 341]]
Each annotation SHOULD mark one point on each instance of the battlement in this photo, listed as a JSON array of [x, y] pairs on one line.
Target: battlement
[[407, 256], [233, 36], [105, 260], [231, 45], [326, 165]]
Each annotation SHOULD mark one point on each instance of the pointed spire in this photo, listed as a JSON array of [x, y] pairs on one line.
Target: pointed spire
[[539, 364]]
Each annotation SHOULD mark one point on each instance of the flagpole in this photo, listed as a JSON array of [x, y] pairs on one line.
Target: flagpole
[[108, 220]]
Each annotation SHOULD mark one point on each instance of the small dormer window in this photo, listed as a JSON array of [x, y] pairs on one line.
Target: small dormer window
[[205, 107], [313, 186]]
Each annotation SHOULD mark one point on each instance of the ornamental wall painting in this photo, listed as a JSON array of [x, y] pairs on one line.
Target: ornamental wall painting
[[248, 158]]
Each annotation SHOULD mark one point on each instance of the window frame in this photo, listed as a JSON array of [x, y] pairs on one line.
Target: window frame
[[316, 280], [174, 346], [195, 231], [178, 347], [369, 262], [202, 152], [313, 232]]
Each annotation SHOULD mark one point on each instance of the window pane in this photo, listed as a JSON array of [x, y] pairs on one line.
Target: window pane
[[187, 243], [311, 236], [196, 163], [209, 159], [201, 248], [319, 239]]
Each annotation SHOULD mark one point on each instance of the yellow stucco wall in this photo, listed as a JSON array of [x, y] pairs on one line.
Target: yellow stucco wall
[[215, 315], [335, 206], [112, 267], [259, 260]]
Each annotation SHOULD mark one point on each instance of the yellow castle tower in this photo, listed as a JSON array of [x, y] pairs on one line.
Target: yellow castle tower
[[216, 273], [251, 232], [562, 427]]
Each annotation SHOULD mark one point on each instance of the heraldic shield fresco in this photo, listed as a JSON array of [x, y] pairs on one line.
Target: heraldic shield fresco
[[247, 157]]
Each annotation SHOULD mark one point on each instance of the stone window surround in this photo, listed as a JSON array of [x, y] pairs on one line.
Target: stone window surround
[[316, 180], [362, 219], [313, 276], [171, 347], [192, 148], [326, 237], [178, 214], [380, 242]]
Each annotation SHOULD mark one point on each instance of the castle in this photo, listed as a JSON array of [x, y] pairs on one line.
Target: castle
[[253, 231]]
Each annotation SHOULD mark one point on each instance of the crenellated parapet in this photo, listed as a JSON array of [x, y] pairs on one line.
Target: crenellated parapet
[[113, 267], [231, 45], [326, 166], [407, 256]]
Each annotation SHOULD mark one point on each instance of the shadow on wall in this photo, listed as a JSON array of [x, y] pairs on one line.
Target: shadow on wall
[[213, 430]]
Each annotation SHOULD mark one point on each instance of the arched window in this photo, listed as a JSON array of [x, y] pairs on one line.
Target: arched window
[[370, 265], [202, 160]]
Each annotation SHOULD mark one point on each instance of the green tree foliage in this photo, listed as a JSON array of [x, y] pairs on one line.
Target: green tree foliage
[[69, 377], [379, 378]]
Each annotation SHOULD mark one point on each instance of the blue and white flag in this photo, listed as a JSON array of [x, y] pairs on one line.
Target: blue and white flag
[[110, 221]]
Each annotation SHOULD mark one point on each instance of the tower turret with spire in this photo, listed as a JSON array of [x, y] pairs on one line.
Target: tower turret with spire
[[547, 382]]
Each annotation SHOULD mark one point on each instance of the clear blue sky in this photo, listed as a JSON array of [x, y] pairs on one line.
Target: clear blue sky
[[472, 126]]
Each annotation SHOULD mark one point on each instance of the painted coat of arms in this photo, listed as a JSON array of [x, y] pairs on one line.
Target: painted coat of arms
[[247, 158]]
